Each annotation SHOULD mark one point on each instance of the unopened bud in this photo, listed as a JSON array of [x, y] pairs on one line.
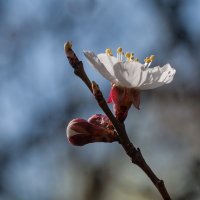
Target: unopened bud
[[80, 132], [102, 121], [67, 46]]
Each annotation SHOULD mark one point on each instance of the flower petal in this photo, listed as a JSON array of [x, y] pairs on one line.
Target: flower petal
[[158, 76], [108, 61], [129, 74], [134, 75], [71, 131], [99, 66]]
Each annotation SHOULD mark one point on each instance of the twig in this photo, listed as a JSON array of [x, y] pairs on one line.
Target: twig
[[134, 153], [77, 65]]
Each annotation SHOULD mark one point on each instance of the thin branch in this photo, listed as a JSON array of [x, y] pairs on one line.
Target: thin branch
[[77, 65], [134, 153]]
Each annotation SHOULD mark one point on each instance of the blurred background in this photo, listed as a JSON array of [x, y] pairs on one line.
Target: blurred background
[[39, 95]]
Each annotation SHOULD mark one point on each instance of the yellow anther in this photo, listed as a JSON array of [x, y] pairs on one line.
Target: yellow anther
[[128, 56], [119, 50], [152, 57], [147, 60], [108, 52]]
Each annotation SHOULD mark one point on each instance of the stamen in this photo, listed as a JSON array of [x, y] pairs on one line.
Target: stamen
[[148, 61], [108, 52], [152, 57], [119, 54], [128, 56], [122, 56], [119, 50]]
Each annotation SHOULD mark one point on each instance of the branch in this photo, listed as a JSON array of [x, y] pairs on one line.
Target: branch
[[77, 65], [134, 153]]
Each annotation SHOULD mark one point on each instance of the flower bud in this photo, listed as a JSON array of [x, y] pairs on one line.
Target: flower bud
[[102, 121], [80, 132], [122, 99]]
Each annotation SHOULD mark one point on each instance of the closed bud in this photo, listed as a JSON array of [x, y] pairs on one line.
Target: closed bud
[[102, 121], [80, 132]]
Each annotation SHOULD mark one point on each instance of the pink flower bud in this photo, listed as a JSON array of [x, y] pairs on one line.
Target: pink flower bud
[[80, 132], [122, 99], [102, 121]]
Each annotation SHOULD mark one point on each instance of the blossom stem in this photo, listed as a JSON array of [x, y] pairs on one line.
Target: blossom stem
[[134, 153]]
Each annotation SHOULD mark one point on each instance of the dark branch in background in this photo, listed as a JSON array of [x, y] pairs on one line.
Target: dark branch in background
[[133, 153]]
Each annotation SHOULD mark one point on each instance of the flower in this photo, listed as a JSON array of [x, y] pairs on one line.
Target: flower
[[97, 128], [128, 77], [130, 73]]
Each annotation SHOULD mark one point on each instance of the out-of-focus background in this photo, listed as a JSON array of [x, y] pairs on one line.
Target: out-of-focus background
[[39, 95]]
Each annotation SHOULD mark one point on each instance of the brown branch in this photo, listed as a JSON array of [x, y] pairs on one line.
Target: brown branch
[[134, 153], [77, 65]]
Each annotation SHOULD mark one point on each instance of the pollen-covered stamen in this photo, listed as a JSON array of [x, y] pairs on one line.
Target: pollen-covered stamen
[[119, 54], [148, 61], [108, 52], [128, 56], [152, 58]]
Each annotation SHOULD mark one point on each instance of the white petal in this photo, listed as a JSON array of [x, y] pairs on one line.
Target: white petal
[[134, 75], [129, 74], [99, 66], [171, 76], [158, 76], [108, 61]]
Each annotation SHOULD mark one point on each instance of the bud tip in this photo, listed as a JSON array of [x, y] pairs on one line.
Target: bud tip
[[67, 46]]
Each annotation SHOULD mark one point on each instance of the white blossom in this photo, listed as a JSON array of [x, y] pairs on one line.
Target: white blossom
[[130, 73]]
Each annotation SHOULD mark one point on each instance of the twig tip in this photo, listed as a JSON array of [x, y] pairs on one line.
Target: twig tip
[[67, 46]]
